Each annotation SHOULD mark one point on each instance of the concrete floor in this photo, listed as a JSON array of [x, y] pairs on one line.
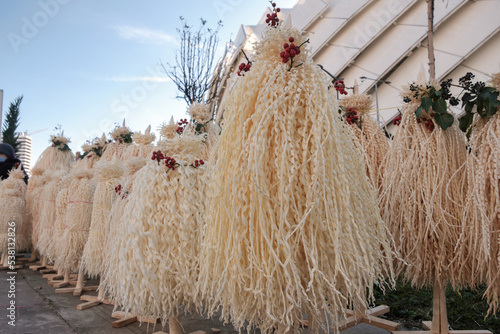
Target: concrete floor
[[40, 310]]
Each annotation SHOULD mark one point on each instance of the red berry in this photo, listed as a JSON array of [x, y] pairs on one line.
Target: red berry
[[292, 46], [285, 60], [432, 115], [248, 67], [267, 21], [242, 66], [291, 39], [274, 4], [293, 53], [40, 288], [274, 14], [298, 51], [285, 45], [287, 55], [202, 162], [268, 15], [278, 10]]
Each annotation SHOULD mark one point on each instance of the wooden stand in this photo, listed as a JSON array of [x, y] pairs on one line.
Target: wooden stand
[[43, 265], [370, 317], [175, 327], [33, 256], [4, 263], [78, 286], [92, 301], [439, 324], [125, 320]]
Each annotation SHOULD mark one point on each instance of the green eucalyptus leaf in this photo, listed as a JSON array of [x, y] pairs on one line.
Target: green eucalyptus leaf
[[444, 120], [468, 107], [465, 121], [418, 112], [439, 106], [426, 103], [480, 107]]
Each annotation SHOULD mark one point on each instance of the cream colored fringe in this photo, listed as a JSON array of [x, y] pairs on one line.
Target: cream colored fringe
[[45, 227], [422, 200], [370, 137], [54, 159], [160, 241], [107, 174], [34, 200], [117, 223], [12, 210], [293, 227], [482, 212], [35, 185], [60, 217], [77, 221], [114, 151]]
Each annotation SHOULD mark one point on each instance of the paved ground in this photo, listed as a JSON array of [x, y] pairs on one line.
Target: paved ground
[[40, 310]]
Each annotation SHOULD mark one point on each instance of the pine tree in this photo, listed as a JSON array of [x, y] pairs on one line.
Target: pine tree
[[11, 123]]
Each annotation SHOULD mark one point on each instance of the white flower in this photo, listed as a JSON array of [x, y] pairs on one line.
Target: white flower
[[200, 112]]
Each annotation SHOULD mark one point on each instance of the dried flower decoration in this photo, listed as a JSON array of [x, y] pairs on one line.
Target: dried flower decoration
[[122, 134]]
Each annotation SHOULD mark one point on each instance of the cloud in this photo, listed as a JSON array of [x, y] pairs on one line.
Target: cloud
[[144, 35]]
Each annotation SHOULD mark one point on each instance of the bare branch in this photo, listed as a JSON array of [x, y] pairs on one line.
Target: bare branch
[[195, 66]]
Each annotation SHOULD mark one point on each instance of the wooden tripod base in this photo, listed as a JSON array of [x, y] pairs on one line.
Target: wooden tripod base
[[175, 327], [439, 323], [369, 317], [127, 319]]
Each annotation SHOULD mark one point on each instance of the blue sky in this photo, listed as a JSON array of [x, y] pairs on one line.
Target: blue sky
[[88, 64]]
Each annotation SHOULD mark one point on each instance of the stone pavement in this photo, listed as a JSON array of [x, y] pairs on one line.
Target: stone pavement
[[40, 310]]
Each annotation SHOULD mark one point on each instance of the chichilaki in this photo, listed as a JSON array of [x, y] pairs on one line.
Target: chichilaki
[[161, 233], [423, 197], [292, 220]]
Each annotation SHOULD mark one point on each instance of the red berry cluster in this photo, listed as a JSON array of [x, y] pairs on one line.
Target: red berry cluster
[[351, 116], [197, 163], [118, 190], [397, 120], [158, 156], [244, 68], [181, 125], [339, 85], [291, 50], [171, 163], [429, 124], [272, 19]]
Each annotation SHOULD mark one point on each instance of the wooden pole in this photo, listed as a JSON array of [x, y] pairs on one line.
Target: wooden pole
[[175, 326], [430, 40], [439, 312], [79, 284]]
